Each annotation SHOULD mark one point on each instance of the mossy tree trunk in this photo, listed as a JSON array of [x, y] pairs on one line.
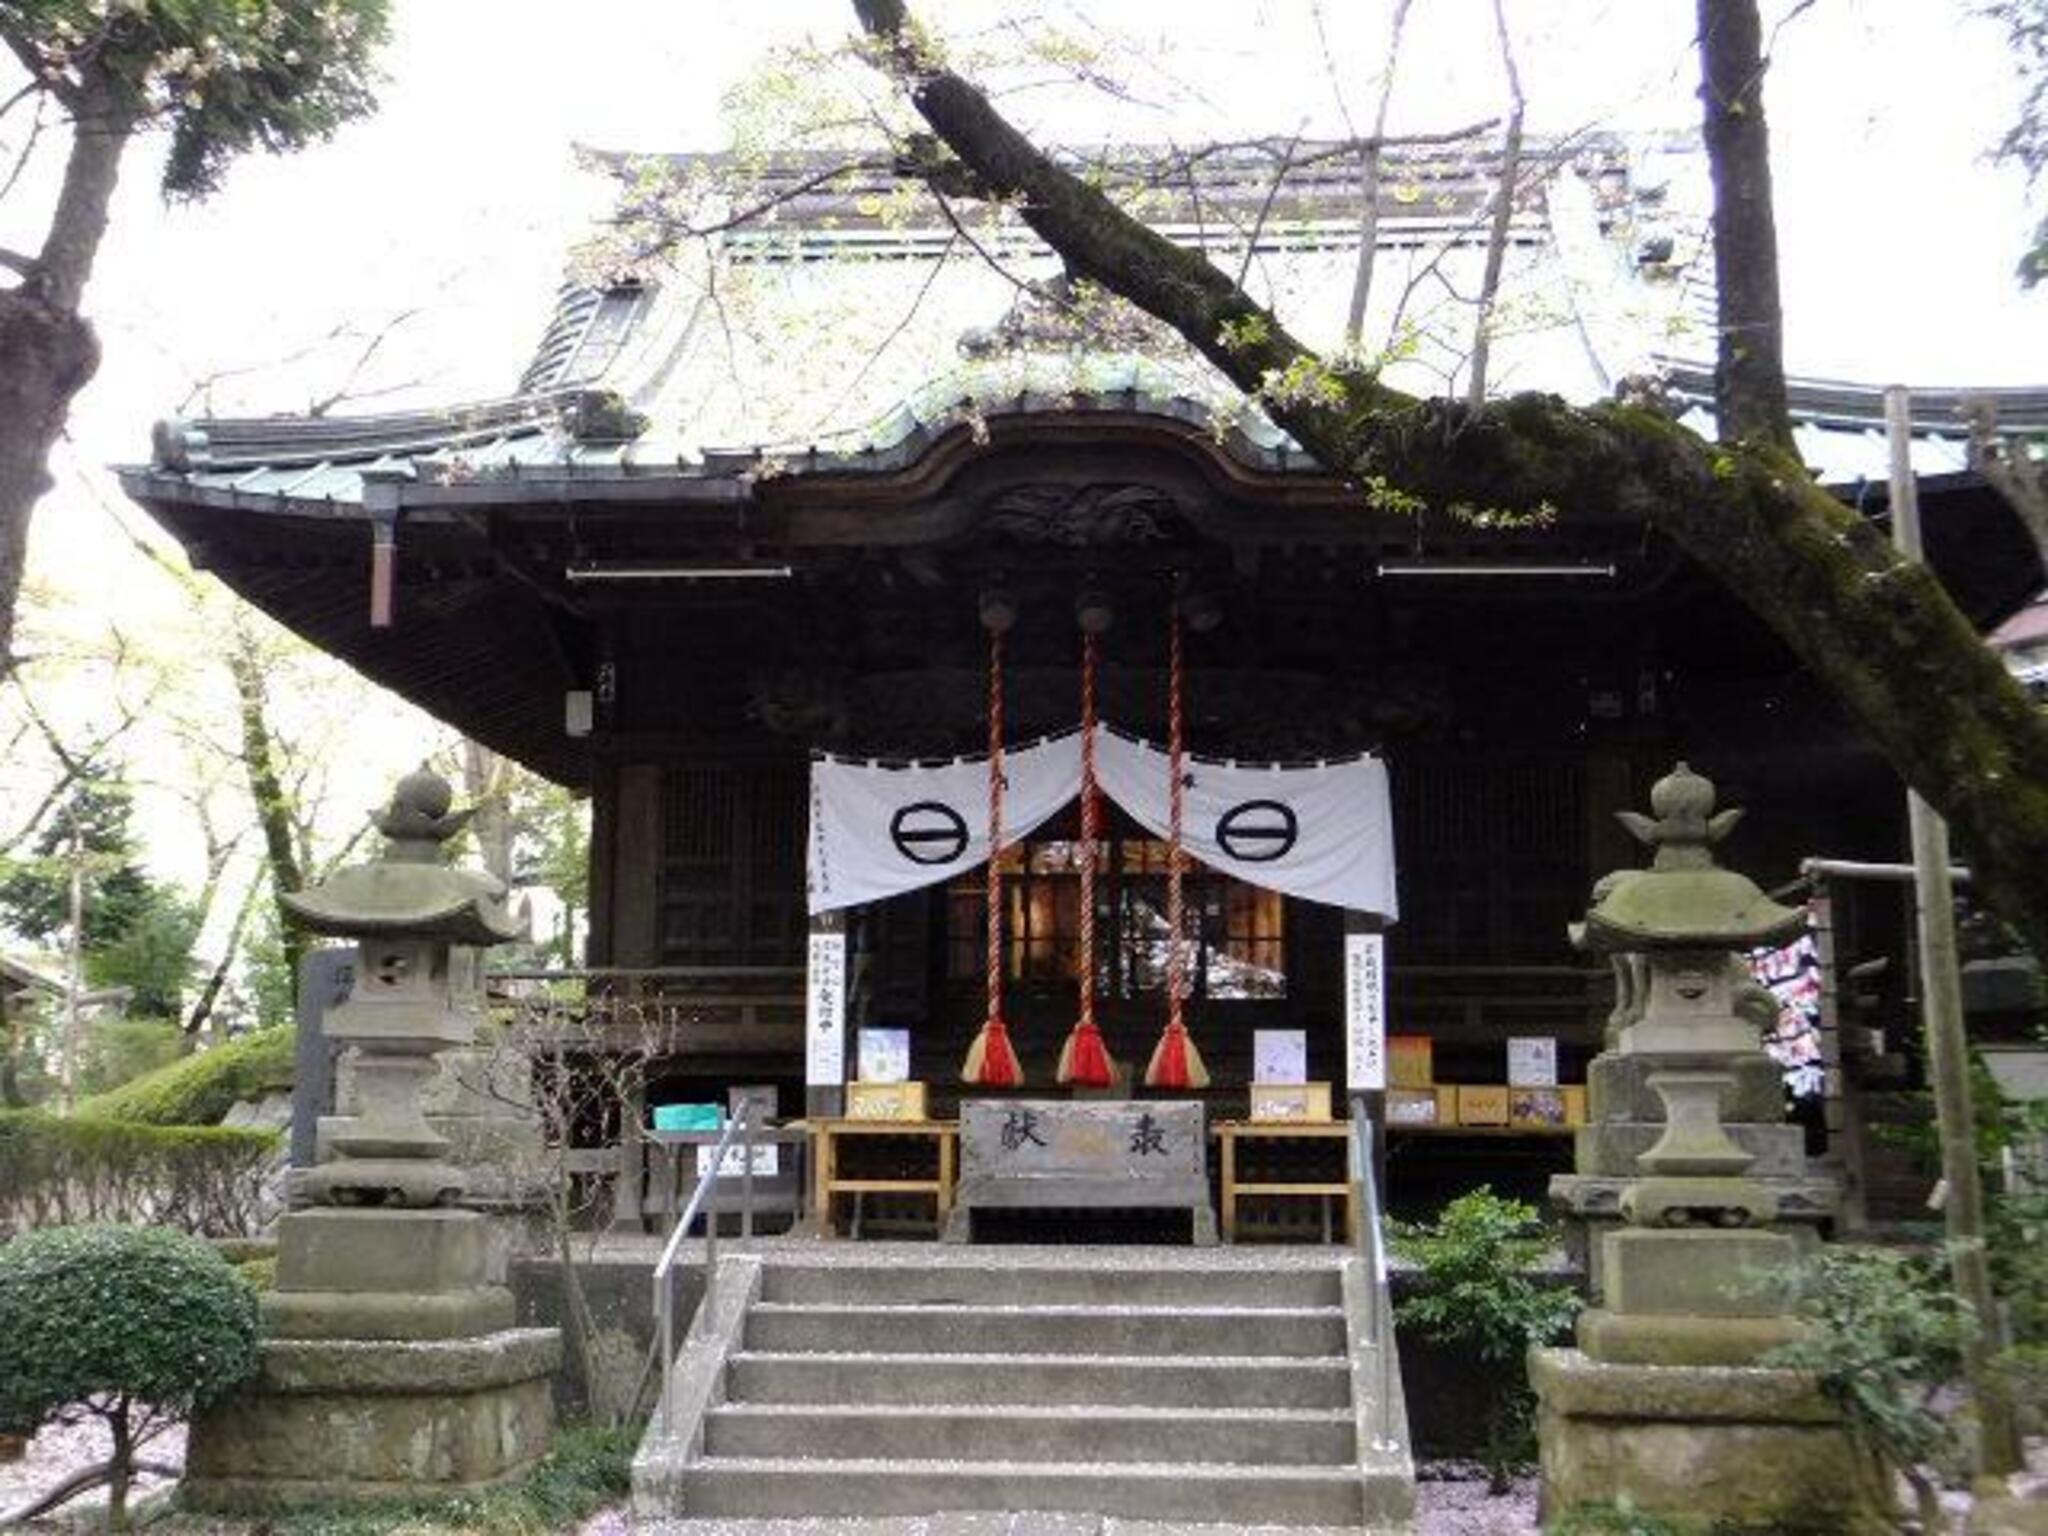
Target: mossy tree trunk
[[1879, 631]]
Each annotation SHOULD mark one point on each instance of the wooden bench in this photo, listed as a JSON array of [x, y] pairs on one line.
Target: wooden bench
[[1229, 1133], [829, 1181]]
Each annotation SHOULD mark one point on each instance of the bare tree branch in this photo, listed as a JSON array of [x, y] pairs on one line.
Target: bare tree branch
[[1251, 240], [1503, 213], [1369, 182], [846, 392], [344, 390]]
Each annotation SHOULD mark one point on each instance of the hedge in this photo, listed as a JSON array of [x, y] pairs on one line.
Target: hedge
[[206, 1180], [199, 1090]]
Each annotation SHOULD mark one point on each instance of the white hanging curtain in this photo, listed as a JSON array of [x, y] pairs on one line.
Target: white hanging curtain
[[878, 830], [1321, 831]]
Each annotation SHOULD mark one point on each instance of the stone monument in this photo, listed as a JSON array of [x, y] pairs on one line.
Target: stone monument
[[390, 1366], [1663, 1404]]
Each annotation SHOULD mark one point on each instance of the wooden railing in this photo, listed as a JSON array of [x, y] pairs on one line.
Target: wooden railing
[[679, 1010]]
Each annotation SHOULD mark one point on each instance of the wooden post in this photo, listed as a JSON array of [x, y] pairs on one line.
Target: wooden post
[[1948, 1060], [1844, 1120]]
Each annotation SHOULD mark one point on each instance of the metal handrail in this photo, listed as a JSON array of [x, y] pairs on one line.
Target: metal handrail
[[741, 1124], [1372, 1241]]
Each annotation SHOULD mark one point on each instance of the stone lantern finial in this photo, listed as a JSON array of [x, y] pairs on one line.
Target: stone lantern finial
[[1684, 828], [418, 820]]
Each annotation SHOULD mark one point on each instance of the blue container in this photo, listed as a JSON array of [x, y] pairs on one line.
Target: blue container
[[689, 1117]]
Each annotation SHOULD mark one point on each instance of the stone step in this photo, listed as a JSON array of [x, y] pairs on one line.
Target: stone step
[[743, 1487], [951, 1328], [1007, 1284], [976, 1432], [1215, 1381]]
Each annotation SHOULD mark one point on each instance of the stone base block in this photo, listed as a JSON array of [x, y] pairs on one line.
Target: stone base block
[[382, 1250], [1623, 1340], [390, 1315], [1696, 1273], [1592, 1206], [1735, 1448], [1611, 1147], [351, 1421]]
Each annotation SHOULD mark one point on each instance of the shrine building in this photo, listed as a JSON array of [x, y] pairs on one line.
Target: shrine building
[[709, 548]]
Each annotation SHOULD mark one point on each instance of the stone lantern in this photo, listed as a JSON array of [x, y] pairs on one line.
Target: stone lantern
[[415, 995], [390, 1364], [1663, 1405]]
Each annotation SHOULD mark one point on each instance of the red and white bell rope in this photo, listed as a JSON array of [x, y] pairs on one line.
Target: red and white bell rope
[[1083, 1060], [1175, 1061], [991, 1060]]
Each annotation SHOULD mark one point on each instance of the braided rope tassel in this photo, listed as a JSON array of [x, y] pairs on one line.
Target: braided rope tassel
[[991, 1060], [1175, 1061], [1083, 1061]]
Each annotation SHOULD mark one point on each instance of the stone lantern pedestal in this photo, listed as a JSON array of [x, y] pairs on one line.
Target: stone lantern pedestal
[[1684, 1178], [390, 1366]]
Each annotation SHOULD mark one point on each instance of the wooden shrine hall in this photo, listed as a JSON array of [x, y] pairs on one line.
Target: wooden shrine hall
[[682, 635]]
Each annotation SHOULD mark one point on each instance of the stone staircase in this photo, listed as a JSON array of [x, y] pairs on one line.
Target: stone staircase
[[1182, 1386]]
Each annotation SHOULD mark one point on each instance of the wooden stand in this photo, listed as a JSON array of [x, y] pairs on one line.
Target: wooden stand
[[1229, 1132], [827, 1135]]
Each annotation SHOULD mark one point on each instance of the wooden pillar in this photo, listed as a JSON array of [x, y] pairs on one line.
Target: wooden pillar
[[636, 867]]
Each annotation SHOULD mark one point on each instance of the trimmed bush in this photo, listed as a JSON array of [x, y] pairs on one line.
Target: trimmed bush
[[136, 1325], [201, 1179], [118, 1051], [1477, 1295], [199, 1090]]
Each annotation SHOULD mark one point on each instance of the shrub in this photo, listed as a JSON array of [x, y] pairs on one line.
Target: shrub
[[207, 1180], [1477, 1295], [1888, 1336], [199, 1090], [118, 1051], [136, 1325]]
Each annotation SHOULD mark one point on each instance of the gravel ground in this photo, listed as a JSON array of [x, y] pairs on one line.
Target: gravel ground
[[63, 1449], [1451, 1500]]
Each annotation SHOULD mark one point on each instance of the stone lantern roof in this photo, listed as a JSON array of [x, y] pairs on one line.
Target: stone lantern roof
[[409, 890], [1684, 900]]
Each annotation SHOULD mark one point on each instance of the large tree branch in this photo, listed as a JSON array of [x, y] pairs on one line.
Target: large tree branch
[[99, 133], [1877, 630]]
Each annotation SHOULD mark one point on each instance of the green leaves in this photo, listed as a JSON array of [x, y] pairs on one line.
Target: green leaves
[[223, 76], [1475, 1262], [102, 1317], [1889, 1332]]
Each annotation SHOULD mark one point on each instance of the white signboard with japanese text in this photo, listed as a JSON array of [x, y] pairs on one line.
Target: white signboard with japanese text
[[1365, 1011], [767, 1162], [825, 1012]]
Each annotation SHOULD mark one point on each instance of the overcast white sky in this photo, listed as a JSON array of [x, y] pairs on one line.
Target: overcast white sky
[[458, 198]]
